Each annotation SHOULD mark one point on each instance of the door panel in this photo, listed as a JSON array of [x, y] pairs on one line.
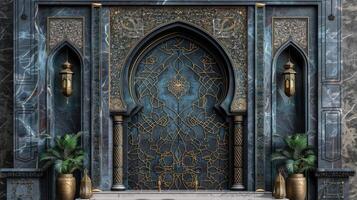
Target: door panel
[[177, 136]]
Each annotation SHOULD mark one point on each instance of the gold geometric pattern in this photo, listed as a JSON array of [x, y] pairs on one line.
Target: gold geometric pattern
[[238, 150], [178, 86], [118, 157], [238, 156], [238, 175], [118, 135], [238, 135], [178, 135], [118, 175], [117, 150]]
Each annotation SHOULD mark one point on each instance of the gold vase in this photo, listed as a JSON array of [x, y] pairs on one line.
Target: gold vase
[[85, 191], [296, 187], [66, 187], [279, 187]]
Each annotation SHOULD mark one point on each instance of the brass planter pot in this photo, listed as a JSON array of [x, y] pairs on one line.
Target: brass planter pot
[[296, 187], [66, 187]]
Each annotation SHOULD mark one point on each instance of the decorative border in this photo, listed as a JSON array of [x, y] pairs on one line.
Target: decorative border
[[334, 173], [259, 103], [21, 173], [96, 94]]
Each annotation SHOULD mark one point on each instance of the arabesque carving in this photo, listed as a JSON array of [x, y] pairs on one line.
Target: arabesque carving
[[130, 24], [290, 28], [65, 29]]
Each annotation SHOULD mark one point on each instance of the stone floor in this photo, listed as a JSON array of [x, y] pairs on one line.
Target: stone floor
[[181, 195]]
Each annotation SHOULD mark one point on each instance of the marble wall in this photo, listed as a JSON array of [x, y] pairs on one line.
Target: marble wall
[[349, 121], [6, 92], [349, 125]]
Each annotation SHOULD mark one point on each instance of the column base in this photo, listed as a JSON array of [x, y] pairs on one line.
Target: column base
[[118, 187], [237, 186]]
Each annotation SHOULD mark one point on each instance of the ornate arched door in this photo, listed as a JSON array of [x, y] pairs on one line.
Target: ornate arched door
[[177, 136]]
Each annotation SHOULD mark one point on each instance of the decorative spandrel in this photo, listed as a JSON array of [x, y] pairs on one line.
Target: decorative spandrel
[[65, 29], [291, 28], [177, 136]]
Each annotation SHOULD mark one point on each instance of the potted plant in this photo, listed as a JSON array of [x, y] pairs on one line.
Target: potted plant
[[298, 158], [66, 156]]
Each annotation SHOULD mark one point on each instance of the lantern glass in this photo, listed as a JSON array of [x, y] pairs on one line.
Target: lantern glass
[[66, 79], [289, 79]]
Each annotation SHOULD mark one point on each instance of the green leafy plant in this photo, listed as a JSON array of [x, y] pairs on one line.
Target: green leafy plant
[[65, 155], [298, 156]]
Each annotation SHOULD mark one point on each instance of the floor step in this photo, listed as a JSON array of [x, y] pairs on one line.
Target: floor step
[[181, 195]]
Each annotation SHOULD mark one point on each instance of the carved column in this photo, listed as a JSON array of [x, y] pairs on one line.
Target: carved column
[[238, 153], [118, 153]]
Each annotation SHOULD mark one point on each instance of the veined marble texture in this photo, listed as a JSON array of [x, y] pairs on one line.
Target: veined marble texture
[[349, 120], [349, 56], [6, 93]]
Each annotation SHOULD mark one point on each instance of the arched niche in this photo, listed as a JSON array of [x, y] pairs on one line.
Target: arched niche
[[289, 113], [189, 31], [64, 112], [174, 35]]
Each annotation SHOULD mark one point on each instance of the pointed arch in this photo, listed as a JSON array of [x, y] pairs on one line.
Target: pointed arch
[[65, 43], [56, 51], [303, 57], [52, 74], [300, 101], [294, 45], [190, 31]]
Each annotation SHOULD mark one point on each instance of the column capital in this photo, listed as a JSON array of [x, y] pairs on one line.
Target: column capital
[[117, 118], [238, 118]]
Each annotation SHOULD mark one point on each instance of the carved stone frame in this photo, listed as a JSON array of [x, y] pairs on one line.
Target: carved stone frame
[[131, 106]]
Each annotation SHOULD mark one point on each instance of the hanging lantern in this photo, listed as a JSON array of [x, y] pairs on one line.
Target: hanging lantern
[[66, 79], [289, 79]]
